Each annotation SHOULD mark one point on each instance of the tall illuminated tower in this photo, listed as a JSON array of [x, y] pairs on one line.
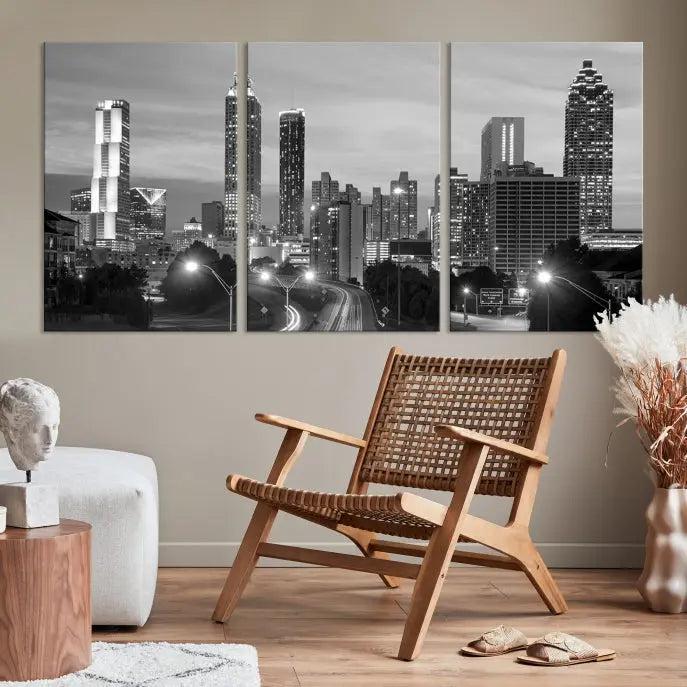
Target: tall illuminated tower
[[503, 140], [291, 171], [254, 154], [588, 151], [403, 207], [110, 201]]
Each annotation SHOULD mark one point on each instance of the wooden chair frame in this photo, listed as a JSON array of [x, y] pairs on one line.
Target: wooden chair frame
[[512, 542]]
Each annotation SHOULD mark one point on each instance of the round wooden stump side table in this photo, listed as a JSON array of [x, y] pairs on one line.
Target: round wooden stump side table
[[45, 601]]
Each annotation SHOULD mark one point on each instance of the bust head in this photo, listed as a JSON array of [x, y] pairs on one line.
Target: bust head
[[29, 419]]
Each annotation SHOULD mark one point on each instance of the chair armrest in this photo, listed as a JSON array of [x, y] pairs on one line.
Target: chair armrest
[[320, 432], [470, 436]]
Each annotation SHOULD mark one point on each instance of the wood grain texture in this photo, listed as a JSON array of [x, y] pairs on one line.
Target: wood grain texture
[[45, 601], [318, 626]]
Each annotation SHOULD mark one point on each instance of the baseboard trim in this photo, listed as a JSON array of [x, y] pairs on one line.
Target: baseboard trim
[[561, 555]]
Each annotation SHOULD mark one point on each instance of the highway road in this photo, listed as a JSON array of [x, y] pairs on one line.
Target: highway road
[[215, 319], [348, 309], [487, 323]]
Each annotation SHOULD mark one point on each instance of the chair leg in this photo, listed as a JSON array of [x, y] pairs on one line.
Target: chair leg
[[425, 596], [439, 553], [539, 575], [245, 561]]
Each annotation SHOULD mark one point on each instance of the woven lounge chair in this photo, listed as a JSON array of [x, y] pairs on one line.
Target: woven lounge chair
[[462, 426]]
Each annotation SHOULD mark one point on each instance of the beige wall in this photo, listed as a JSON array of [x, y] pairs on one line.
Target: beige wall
[[187, 399]]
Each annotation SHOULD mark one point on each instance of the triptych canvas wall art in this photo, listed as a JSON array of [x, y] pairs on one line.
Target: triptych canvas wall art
[[342, 209]]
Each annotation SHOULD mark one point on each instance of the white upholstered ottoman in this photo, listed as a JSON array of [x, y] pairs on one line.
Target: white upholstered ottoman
[[116, 493]]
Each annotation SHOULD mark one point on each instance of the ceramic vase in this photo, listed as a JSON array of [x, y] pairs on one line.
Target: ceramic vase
[[663, 582]]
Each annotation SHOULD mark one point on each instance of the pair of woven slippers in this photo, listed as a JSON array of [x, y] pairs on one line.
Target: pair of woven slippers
[[553, 649]]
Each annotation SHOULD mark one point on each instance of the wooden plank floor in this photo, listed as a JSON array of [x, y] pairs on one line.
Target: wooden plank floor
[[315, 627]]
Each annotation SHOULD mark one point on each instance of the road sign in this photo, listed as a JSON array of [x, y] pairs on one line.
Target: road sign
[[489, 297], [518, 296], [385, 311], [264, 310]]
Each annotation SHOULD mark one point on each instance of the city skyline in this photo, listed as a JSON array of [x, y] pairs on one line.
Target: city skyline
[[191, 167], [361, 131], [531, 80]]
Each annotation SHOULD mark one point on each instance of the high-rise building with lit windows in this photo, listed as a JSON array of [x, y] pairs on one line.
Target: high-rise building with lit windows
[[291, 171], [503, 141], [254, 161], [80, 199], [529, 211], [110, 200], [148, 213], [380, 215], [325, 193], [403, 207], [588, 151]]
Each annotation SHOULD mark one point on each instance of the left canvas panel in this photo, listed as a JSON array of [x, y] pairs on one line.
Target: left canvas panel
[[140, 144]]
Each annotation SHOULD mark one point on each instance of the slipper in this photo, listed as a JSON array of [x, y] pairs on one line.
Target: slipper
[[561, 649], [501, 640]]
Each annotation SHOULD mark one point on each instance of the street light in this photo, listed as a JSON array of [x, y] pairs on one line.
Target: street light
[[546, 277], [398, 191], [266, 276], [193, 266], [467, 292]]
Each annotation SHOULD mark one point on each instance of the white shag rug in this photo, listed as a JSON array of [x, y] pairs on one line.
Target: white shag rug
[[159, 664]]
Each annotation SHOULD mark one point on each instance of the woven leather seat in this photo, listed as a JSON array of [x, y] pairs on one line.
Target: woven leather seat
[[462, 426], [382, 514]]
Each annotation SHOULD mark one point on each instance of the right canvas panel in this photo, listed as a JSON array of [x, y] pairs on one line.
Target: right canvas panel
[[545, 184]]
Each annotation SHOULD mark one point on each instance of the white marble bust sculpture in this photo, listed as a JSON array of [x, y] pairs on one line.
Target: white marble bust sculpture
[[29, 419]]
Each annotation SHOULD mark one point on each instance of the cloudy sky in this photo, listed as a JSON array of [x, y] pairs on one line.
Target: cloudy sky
[[371, 110], [176, 94], [531, 80]]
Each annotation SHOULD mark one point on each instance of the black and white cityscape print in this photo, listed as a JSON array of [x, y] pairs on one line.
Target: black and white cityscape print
[[343, 153], [135, 224], [546, 184]]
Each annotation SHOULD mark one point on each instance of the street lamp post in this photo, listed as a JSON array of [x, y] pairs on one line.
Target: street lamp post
[[398, 191], [545, 277], [193, 266], [267, 276], [467, 291]]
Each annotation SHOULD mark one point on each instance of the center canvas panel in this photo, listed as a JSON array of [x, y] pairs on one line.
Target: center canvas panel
[[343, 159]]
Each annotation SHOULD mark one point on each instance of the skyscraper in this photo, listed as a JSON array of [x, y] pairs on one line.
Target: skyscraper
[[455, 214], [528, 212], [80, 211], [325, 193], [148, 213], [588, 151], [212, 217], [80, 199], [254, 161], [348, 242], [380, 215], [503, 140], [110, 200], [291, 171], [403, 207], [474, 211]]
